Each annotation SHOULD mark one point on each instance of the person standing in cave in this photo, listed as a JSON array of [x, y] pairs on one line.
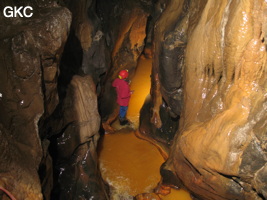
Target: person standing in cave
[[123, 95]]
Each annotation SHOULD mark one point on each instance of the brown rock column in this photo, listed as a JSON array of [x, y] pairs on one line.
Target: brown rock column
[[160, 115], [77, 158]]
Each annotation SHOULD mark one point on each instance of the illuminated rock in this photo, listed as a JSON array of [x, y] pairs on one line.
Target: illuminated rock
[[77, 159], [129, 37], [219, 151]]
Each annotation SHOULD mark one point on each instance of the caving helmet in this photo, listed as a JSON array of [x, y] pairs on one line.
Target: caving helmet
[[123, 74]]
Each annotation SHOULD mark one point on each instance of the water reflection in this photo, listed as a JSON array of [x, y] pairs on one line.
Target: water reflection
[[128, 164]]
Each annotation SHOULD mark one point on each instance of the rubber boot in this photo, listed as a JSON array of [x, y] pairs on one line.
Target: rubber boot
[[124, 121]]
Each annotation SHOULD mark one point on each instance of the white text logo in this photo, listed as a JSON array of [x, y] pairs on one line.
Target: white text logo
[[18, 11]]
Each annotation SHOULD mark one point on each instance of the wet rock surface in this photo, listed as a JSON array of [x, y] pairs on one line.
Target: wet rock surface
[[208, 95], [127, 22], [28, 80], [40, 90], [218, 151], [77, 161], [91, 54]]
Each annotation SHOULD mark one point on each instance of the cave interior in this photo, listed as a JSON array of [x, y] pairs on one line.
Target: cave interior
[[206, 110]]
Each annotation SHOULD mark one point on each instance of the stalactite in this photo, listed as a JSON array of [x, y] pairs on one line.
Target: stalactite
[[157, 101]]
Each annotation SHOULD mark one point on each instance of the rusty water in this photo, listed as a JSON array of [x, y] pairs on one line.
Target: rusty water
[[128, 164]]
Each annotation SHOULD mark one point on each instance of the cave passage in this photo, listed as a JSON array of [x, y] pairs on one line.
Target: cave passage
[[201, 126], [130, 165]]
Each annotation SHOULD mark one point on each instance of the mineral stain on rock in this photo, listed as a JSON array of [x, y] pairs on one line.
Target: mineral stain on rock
[[207, 110]]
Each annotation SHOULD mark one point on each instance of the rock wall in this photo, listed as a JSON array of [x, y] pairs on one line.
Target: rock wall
[[223, 112], [208, 96], [77, 160], [29, 64], [219, 59], [86, 28], [160, 115], [127, 22], [73, 127], [47, 109]]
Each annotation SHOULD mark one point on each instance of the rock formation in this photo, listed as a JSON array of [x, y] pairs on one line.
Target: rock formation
[[77, 158], [217, 53], [128, 31], [74, 125], [30, 51], [39, 96], [208, 94]]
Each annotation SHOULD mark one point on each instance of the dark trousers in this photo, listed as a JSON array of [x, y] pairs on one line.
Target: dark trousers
[[123, 111]]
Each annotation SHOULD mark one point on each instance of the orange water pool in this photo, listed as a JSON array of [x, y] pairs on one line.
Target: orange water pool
[[128, 164]]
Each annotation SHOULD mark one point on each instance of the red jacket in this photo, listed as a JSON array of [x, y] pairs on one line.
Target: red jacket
[[123, 91]]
